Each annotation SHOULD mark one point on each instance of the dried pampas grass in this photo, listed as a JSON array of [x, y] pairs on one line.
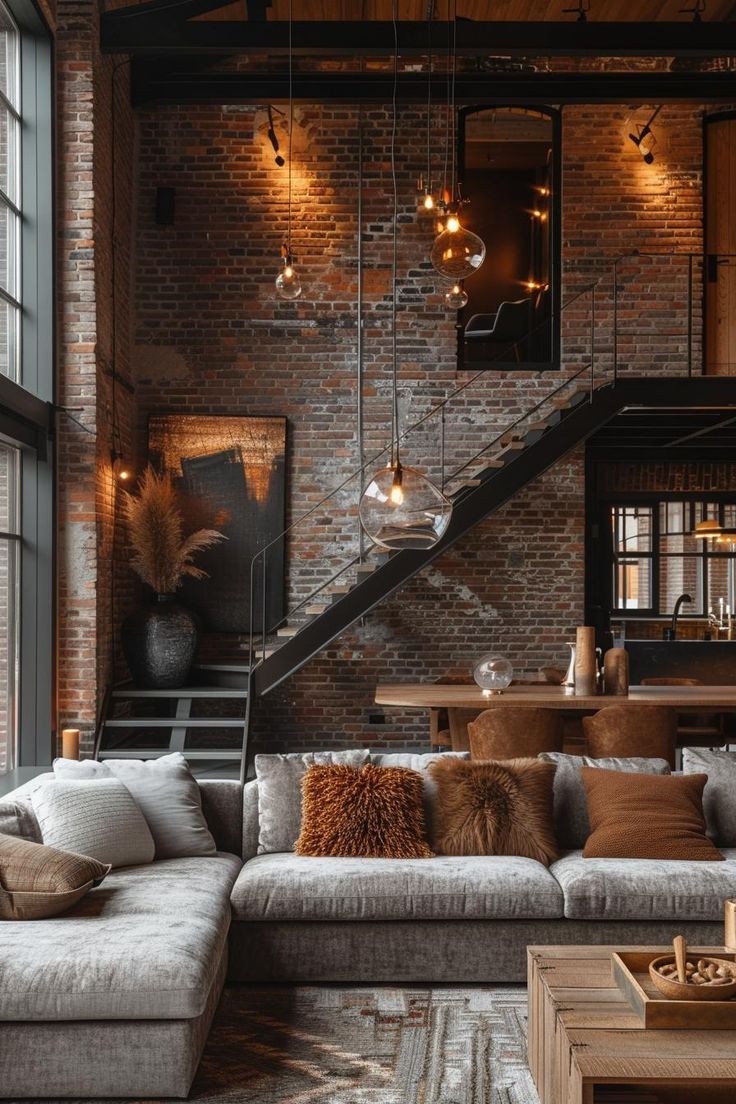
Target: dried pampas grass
[[162, 555]]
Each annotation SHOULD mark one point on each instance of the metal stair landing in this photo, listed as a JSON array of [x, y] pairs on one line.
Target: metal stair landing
[[207, 724]]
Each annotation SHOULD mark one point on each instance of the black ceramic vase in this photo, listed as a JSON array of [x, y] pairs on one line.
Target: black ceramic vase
[[159, 643]]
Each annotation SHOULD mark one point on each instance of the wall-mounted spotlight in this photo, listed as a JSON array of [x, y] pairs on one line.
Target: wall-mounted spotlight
[[644, 139], [124, 473], [272, 136]]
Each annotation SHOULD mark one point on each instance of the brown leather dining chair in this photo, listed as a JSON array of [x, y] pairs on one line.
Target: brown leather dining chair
[[512, 732], [618, 731]]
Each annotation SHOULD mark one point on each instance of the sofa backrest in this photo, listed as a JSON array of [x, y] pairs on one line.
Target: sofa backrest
[[222, 805]]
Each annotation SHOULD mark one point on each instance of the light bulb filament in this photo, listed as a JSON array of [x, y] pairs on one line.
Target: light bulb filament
[[452, 224], [397, 492], [428, 202]]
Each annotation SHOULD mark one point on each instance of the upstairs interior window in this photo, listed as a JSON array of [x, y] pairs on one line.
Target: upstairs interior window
[[655, 559], [509, 175]]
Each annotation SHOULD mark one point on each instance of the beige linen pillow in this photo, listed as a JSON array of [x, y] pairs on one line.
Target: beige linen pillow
[[38, 881]]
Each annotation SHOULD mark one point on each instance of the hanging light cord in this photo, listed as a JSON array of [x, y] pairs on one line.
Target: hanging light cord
[[453, 180], [291, 134], [428, 188], [449, 97], [394, 263]]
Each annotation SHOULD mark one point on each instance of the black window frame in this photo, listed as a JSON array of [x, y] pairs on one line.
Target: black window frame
[[27, 406], [654, 501]]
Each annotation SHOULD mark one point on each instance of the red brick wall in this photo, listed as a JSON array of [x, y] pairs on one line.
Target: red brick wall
[[84, 353], [211, 337]]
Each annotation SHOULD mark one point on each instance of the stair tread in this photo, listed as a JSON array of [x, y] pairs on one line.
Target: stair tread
[[316, 609], [183, 692], [239, 668], [157, 753], [173, 722], [288, 631]]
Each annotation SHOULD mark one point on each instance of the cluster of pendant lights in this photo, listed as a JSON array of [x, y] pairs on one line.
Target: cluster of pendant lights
[[400, 508]]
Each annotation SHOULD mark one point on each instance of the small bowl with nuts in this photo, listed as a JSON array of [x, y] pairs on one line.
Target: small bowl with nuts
[[684, 977]]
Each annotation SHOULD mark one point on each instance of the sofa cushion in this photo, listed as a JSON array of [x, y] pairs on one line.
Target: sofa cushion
[[280, 792], [719, 797], [572, 826], [165, 791], [145, 945], [645, 889], [95, 817], [293, 887]]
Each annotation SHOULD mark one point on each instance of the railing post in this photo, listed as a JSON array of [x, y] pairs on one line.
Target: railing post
[[615, 320], [264, 608], [689, 315], [442, 448], [592, 341]]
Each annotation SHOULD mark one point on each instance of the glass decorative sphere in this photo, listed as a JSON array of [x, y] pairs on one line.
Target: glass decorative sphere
[[409, 513], [288, 284], [457, 297], [457, 253], [493, 673]]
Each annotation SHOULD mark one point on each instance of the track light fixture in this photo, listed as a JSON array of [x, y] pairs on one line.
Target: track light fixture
[[644, 139]]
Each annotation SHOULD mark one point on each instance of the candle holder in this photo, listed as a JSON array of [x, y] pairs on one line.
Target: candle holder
[[729, 925]]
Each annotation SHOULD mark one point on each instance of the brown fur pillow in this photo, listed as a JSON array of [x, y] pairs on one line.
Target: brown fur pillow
[[490, 808], [372, 812]]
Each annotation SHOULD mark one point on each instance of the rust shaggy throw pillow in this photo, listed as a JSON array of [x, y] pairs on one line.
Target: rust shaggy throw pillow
[[646, 816], [371, 812], [494, 808]]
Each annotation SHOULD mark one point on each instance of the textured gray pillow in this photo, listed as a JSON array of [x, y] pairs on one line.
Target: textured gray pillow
[[95, 817], [17, 819], [572, 826], [719, 796], [420, 763], [280, 793], [165, 791]]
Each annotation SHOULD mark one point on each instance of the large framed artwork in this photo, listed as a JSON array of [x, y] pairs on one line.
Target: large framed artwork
[[231, 473]]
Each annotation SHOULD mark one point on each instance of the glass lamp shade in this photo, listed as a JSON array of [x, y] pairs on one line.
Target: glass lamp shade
[[288, 284], [457, 253], [493, 673], [457, 297], [412, 513]]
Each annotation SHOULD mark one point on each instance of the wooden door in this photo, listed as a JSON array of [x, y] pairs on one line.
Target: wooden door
[[720, 246]]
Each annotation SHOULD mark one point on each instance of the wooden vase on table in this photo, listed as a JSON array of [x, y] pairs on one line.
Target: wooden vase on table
[[616, 672], [729, 936], [585, 665]]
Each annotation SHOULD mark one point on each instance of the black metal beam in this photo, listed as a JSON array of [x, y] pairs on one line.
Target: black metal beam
[[139, 30], [176, 83]]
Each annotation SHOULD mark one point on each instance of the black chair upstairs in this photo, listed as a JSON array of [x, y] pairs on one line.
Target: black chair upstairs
[[509, 326]]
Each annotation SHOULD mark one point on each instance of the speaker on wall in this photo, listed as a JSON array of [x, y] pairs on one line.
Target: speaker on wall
[[165, 206]]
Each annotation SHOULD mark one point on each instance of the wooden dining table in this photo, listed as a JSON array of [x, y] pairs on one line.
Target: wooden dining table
[[429, 695]]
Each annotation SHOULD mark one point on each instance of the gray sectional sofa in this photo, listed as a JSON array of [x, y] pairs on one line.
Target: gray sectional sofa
[[115, 997]]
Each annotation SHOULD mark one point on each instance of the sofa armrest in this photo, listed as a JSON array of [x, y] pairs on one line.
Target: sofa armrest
[[250, 820]]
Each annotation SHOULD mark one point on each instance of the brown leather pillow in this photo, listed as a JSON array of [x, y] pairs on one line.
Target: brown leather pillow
[[370, 811], [38, 881], [646, 816], [494, 808]]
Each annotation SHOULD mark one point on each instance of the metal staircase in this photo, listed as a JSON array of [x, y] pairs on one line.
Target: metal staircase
[[592, 391]]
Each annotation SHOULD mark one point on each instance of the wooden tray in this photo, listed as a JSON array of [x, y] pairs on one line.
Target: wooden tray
[[630, 970]]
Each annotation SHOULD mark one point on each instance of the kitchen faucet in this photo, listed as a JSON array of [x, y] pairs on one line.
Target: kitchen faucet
[[671, 633]]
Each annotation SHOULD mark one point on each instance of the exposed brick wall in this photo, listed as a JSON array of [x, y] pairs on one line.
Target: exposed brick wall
[[85, 498], [211, 337]]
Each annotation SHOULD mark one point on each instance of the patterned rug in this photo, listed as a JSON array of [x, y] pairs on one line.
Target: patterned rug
[[342, 1045]]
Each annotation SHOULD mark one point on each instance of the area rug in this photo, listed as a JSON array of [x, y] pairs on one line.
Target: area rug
[[339, 1045]]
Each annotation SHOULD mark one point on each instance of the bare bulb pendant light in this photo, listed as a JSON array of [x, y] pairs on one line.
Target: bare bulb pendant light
[[427, 201], [288, 284], [457, 297], [456, 252], [400, 508]]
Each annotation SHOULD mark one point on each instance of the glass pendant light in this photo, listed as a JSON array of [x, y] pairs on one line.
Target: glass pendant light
[[457, 297], [400, 508], [288, 284]]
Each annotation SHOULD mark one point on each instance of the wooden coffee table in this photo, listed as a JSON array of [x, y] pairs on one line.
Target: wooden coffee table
[[583, 1035]]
